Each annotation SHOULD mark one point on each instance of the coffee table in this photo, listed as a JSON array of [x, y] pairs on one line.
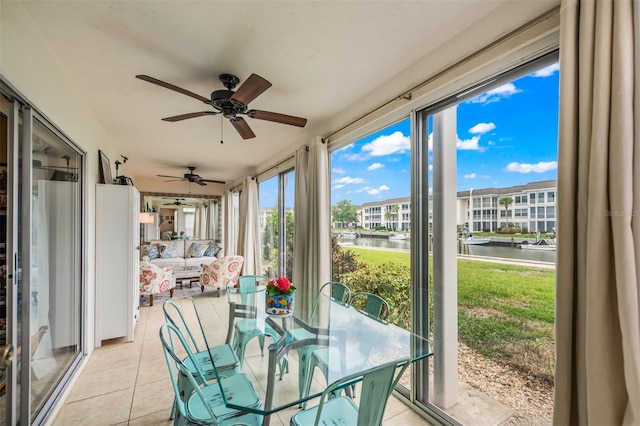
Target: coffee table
[[187, 274]]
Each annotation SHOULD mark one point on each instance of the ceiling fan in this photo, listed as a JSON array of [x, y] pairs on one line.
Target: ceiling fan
[[192, 177], [177, 202], [232, 104]]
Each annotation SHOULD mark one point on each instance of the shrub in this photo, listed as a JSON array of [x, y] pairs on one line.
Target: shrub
[[342, 261], [390, 281]]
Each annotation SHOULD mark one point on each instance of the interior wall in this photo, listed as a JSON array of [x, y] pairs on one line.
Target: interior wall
[[30, 68]]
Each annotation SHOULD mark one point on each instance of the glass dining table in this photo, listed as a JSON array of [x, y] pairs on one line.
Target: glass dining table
[[351, 340]]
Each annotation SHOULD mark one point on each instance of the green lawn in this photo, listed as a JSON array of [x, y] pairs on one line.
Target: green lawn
[[505, 312]]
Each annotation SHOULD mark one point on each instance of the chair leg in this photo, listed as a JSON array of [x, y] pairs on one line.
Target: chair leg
[[151, 300], [171, 293]]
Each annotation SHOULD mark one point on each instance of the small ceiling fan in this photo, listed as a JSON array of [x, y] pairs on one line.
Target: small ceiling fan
[[177, 202], [192, 177], [232, 104]]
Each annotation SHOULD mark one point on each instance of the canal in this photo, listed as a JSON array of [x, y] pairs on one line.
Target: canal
[[477, 250]]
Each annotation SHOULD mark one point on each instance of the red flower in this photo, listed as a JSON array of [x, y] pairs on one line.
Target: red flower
[[280, 286], [283, 284]]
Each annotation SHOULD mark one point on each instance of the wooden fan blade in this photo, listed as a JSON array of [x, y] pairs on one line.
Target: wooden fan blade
[[221, 182], [242, 127], [200, 182], [278, 118], [172, 87], [189, 115], [250, 89], [172, 177]]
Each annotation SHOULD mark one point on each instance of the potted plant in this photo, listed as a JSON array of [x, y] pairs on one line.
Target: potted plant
[[279, 297]]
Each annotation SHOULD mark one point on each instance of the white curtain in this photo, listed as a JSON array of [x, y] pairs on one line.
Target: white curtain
[[249, 230], [598, 289], [312, 233], [228, 245], [210, 220]]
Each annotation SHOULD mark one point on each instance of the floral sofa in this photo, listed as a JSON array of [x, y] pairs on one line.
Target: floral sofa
[[156, 279], [180, 253]]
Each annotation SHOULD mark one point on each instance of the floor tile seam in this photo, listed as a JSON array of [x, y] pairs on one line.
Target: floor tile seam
[[99, 396]]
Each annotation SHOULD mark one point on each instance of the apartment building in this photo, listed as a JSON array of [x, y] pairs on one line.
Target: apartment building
[[533, 209]]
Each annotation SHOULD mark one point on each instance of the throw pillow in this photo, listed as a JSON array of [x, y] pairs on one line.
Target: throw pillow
[[197, 249], [169, 250], [211, 251], [151, 250]]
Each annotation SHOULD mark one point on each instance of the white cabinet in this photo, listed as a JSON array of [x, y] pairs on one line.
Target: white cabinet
[[117, 261]]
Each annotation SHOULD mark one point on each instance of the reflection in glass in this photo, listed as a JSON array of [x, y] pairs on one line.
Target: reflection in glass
[[54, 324]]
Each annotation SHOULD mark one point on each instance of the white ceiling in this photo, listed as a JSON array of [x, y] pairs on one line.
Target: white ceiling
[[324, 59]]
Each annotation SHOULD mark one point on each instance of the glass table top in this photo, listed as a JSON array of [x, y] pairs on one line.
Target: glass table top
[[348, 340]]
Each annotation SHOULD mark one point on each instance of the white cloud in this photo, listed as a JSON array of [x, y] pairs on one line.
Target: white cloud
[[395, 143], [541, 167], [430, 141], [546, 71], [376, 191], [469, 144], [470, 176], [494, 95], [339, 171], [338, 186], [482, 128], [430, 167], [348, 180], [375, 166]]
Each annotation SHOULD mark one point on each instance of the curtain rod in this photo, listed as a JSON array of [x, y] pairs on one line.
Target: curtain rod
[[268, 169]]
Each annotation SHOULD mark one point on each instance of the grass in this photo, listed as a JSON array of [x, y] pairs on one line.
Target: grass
[[506, 312]]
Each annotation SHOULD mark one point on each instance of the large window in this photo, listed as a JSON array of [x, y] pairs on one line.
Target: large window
[[505, 307], [276, 224]]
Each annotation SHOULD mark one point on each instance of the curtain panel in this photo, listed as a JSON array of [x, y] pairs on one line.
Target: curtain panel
[[597, 289], [228, 244], [249, 231], [312, 245]]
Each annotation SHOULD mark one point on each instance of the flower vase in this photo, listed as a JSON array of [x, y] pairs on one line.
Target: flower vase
[[279, 304]]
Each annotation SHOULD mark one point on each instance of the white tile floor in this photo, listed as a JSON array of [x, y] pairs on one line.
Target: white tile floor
[[128, 383]]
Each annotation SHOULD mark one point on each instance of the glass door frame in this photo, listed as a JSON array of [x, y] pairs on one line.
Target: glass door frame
[[20, 116]]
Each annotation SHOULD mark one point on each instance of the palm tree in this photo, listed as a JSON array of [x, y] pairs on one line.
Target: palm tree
[[506, 202], [396, 209], [387, 216]]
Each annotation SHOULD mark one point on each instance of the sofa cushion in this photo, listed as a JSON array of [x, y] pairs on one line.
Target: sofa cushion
[[197, 261], [212, 250], [170, 249], [196, 249], [151, 250]]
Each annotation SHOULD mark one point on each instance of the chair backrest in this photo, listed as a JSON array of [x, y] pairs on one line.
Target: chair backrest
[[371, 305], [246, 284], [173, 315], [221, 272], [173, 342], [377, 385], [340, 293]]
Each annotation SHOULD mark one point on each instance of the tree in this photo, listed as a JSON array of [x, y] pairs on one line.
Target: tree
[[344, 213], [396, 209], [506, 202], [387, 217], [270, 245]]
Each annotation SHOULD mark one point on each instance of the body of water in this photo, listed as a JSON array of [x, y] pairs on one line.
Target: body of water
[[475, 250]]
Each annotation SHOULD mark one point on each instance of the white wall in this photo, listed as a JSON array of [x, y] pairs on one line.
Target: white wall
[[28, 65]]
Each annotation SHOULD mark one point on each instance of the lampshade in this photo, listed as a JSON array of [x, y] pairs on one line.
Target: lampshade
[[146, 218]]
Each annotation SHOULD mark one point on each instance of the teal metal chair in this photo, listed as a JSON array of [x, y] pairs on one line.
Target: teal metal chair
[[371, 305], [205, 403], [239, 333], [340, 293], [368, 304], [377, 385], [227, 363]]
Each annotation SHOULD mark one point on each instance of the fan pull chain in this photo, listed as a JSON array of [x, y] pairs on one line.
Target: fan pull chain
[[221, 140]]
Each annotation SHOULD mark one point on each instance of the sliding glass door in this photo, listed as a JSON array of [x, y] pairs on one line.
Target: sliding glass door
[[41, 262]]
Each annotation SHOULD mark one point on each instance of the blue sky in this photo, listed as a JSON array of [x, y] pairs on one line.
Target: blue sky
[[506, 136]]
